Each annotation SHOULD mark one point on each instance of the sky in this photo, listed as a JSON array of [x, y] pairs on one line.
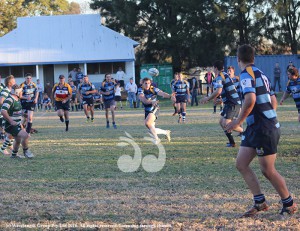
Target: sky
[[84, 4]]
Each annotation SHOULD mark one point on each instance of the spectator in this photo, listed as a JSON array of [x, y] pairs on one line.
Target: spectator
[[277, 73], [120, 75], [209, 76], [73, 74], [291, 65], [40, 89], [118, 97], [131, 88], [194, 90], [48, 90], [79, 76]]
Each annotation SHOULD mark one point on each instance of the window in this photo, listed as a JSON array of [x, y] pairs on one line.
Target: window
[[17, 71], [30, 69], [117, 65], [105, 68], [92, 68], [4, 72], [72, 66]]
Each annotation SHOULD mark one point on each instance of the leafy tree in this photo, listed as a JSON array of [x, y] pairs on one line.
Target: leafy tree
[[285, 24]]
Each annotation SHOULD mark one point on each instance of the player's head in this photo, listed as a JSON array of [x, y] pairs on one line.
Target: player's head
[[219, 65], [45, 95], [28, 77], [71, 82], [176, 75], [230, 71], [147, 83], [293, 73], [10, 81], [61, 78], [85, 79], [245, 54], [107, 77]]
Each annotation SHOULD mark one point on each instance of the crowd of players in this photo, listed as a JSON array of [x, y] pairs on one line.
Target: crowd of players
[[248, 97]]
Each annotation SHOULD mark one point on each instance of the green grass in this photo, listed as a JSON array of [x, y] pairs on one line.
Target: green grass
[[75, 178]]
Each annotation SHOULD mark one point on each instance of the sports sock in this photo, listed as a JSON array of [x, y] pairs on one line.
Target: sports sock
[[230, 137], [28, 128], [215, 108], [153, 132], [160, 131], [67, 125], [5, 143], [259, 199], [183, 115], [287, 202], [72, 108]]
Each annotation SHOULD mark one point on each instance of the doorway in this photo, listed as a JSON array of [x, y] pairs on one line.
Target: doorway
[[48, 71]]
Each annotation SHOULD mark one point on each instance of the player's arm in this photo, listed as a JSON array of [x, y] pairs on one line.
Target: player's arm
[[274, 102], [248, 104], [214, 95], [36, 93], [284, 97], [4, 112], [164, 94]]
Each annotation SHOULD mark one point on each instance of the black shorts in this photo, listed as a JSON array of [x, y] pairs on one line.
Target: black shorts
[[117, 98], [62, 106], [264, 141], [154, 111], [109, 103], [73, 98], [88, 101], [231, 111], [28, 106], [181, 99]]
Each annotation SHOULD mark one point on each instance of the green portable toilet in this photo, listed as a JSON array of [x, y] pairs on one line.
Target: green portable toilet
[[165, 75]]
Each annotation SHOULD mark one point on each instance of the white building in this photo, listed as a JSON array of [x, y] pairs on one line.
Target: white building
[[48, 46]]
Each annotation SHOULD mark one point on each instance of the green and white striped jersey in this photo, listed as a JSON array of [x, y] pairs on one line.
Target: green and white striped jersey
[[4, 94], [13, 108]]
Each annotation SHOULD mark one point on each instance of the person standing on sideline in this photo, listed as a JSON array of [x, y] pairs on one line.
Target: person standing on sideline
[[118, 96], [209, 77], [120, 75], [12, 114], [131, 88], [225, 87], [79, 76], [293, 88], [147, 95], [40, 89], [108, 93], [29, 98], [86, 90], [73, 74], [182, 93], [194, 91], [261, 136], [48, 90], [62, 93], [277, 73]]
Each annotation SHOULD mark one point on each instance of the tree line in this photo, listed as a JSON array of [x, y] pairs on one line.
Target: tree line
[[196, 32], [185, 32]]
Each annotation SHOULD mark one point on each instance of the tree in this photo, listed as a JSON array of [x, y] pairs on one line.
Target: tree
[[176, 30], [285, 29]]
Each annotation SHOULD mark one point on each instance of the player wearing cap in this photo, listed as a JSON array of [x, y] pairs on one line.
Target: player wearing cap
[[62, 93]]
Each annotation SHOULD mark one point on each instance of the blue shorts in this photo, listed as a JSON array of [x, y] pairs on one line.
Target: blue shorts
[[264, 141]]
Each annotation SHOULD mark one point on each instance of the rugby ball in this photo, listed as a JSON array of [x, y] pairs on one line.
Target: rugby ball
[[153, 72]]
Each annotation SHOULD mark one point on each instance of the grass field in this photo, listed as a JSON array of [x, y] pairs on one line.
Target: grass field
[[74, 181]]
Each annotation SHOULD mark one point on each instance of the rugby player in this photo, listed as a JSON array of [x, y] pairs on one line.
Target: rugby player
[[261, 136], [62, 93], [147, 95]]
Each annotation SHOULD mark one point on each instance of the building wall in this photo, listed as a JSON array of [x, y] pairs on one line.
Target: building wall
[[266, 64]]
